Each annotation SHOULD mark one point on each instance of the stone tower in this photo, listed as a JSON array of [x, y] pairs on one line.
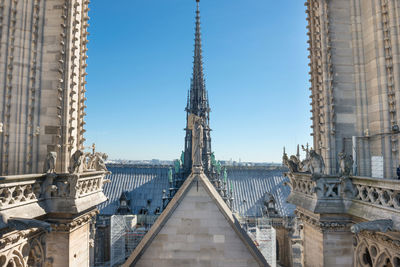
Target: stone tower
[[42, 72], [355, 81], [198, 105]]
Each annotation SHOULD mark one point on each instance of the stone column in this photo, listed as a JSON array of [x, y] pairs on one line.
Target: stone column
[[68, 243], [327, 239]]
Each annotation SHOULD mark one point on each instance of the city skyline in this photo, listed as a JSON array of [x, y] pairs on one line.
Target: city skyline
[[248, 61]]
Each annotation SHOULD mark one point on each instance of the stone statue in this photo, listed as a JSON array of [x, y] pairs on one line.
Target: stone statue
[[317, 165], [76, 163], [170, 180], [197, 141], [345, 164], [99, 163], [373, 226], [50, 163], [177, 165], [183, 158], [290, 163]]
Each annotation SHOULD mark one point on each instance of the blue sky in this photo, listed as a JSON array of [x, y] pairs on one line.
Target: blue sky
[[140, 65]]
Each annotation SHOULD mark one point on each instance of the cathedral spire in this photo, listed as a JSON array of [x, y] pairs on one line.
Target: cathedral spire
[[198, 95], [198, 101]]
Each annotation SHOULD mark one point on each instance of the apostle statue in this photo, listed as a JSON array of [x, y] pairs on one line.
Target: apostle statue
[[197, 139]]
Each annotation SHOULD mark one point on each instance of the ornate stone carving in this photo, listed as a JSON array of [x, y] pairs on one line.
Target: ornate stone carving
[[292, 163], [96, 161], [345, 164], [50, 163], [317, 165], [197, 140], [373, 226], [375, 194], [76, 164]]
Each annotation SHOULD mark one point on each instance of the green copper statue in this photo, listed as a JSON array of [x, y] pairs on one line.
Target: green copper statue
[[170, 175]]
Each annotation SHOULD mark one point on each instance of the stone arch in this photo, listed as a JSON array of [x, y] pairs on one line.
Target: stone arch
[[36, 254], [384, 260], [363, 255], [15, 259]]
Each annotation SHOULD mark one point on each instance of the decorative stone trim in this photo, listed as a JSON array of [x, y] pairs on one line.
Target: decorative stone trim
[[33, 85], [324, 226], [21, 190], [381, 249], [317, 97], [23, 248], [384, 195], [70, 226], [388, 56], [9, 85]]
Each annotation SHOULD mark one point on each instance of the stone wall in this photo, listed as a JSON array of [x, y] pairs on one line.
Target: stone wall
[[42, 73], [354, 52]]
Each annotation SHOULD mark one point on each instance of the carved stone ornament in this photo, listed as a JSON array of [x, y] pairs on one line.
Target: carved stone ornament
[[317, 165], [345, 164], [50, 163], [197, 139], [373, 226], [76, 164]]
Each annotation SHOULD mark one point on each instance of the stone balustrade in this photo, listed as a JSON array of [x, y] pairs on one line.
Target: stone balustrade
[[378, 192], [18, 190], [34, 195], [366, 198]]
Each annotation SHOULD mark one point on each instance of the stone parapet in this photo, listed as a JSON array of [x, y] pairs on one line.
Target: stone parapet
[[32, 196], [362, 197]]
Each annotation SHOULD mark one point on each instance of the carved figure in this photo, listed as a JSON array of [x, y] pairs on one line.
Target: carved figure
[[373, 226], [99, 161], [76, 163], [50, 163], [317, 165], [197, 139], [290, 163], [345, 164]]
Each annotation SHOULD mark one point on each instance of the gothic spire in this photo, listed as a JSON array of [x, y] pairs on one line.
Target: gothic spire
[[198, 94], [198, 103]]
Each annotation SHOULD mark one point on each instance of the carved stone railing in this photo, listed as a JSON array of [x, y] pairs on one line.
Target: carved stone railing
[[30, 196], [376, 199], [317, 194], [20, 190], [378, 192], [366, 198]]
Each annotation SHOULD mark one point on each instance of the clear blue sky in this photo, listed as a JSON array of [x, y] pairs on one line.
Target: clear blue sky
[[140, 65]]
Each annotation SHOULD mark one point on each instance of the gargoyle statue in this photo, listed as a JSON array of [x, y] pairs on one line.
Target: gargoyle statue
[[50, 163], [346, 164], [373, 226], [291, 163], [76, 163], [317, 165]]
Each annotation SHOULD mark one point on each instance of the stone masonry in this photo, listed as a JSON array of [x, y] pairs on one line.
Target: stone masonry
[[42, 73]]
